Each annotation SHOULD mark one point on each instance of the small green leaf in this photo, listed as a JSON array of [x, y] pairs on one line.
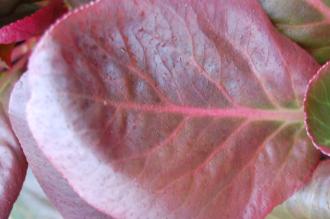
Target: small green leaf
[[317, 108]]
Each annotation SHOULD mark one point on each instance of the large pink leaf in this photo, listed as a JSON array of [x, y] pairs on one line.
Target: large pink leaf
[[166, 109], [32, 25]]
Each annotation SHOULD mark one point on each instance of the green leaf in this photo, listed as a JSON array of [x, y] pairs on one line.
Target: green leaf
[[317, 109], [307, 22], [312, 202], [76, 3]]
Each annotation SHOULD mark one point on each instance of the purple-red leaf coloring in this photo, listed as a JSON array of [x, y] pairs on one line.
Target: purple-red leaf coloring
[[166, 109]]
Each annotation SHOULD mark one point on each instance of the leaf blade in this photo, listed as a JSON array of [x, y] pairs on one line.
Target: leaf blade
[[12, 160], [170, 161], [317, 106]]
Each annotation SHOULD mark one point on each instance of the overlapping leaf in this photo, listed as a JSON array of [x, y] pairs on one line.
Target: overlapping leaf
[[311, 202], [304, 21], [12, 166], [317, 108], [12, 161], [166, 109], [32, 25]]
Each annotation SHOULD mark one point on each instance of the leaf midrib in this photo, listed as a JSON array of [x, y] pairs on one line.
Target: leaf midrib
[[240, 112], [256, 114]]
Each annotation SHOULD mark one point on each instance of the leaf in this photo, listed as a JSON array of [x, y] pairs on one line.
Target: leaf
[[166, 109], [312, 201], [49, 178], [77, 3], [317, 108], [12, 161], [307, 22], [12, 166], [32, 25]]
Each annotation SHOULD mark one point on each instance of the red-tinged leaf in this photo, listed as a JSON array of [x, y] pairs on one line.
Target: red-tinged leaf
[[317, 109], [32, 25], [5, 53], [166, 109], [12, 166], [12, 161], [311, 202], [304, 21]]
